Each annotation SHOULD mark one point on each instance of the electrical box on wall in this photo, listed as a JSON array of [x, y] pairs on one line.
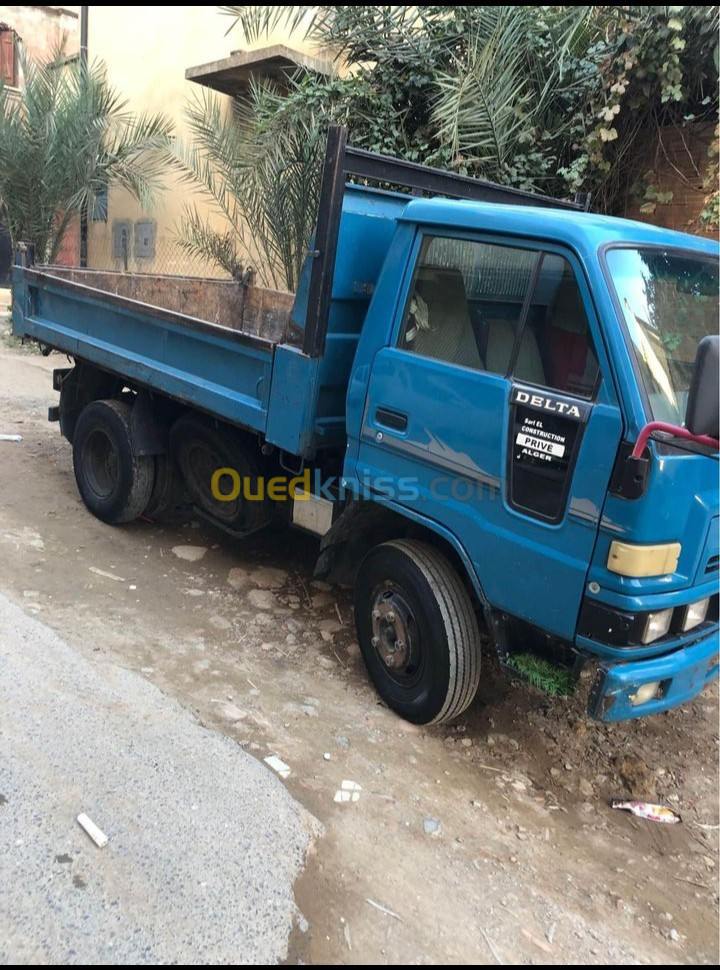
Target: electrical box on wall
[[144, 239], [121, 229]]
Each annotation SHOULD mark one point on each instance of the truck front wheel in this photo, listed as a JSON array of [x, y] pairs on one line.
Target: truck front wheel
[[114, 483], [417, 631]]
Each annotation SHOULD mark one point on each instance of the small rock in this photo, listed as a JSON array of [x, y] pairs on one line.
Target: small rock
[[219, 622], [309, 709], [327, 756], [329, 626], [261, 599], [237, 577], [268, 577], [555, 772], [431, 827], [674, 935], [231, 712], [467, 742], [189, 553], [321, 600], [586, 789]]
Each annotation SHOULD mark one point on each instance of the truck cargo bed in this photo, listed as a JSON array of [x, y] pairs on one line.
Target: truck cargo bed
[[221, 369]]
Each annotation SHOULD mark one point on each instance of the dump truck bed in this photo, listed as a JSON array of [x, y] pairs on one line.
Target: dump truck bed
[[232, 350], [220, 369]]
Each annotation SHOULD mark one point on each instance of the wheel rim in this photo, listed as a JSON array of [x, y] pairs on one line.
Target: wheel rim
[[100, 463], [395, 635]]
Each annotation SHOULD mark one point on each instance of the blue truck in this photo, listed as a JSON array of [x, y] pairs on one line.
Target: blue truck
[[496, 410]]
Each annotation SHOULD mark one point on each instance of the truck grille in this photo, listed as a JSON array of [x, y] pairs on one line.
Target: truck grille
[[712, 564]]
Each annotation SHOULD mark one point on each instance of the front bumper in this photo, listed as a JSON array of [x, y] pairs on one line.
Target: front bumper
[[682, 674]]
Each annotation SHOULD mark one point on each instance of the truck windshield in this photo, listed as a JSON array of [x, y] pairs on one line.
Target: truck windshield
[[670, 302]]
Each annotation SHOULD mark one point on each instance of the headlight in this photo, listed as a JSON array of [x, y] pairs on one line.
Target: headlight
[[645, 693], [695, 614], [656, 625]]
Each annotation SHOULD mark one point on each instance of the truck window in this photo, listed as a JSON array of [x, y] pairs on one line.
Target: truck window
[[467, 302], [556, 348]]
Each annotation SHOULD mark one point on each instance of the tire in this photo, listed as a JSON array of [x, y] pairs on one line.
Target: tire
[[407, 593], [200, 449], [115, 484], [167, 492]]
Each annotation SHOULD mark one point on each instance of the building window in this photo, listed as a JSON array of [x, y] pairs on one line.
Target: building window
[[8, 56]]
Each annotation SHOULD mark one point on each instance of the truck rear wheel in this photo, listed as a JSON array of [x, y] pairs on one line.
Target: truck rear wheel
[[115, 484], [201, 450], [417, 631], [167, 492]]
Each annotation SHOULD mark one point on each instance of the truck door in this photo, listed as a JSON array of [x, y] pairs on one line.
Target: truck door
[[493, 414]]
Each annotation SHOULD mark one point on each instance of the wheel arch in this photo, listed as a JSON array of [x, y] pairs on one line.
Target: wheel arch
[[364, 524]]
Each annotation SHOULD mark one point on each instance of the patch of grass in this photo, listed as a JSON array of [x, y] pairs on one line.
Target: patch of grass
[[542, 674]]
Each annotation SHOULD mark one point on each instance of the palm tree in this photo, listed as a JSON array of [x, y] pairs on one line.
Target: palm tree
[[62, 142], [258, 164]]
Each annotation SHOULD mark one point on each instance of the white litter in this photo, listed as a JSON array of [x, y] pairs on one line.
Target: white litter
[[101, 572], [96, 834], [349, 791], [384, 909], [10, 437], [278, 765]]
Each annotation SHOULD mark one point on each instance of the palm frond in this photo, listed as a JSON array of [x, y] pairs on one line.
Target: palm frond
[[258, 165], [64, 141], [257, 23], [483, 100]]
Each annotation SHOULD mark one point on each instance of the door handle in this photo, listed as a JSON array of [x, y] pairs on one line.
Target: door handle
[[395, 420]]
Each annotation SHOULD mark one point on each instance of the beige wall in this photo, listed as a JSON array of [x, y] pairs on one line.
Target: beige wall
[[147, 50], [41, 29]]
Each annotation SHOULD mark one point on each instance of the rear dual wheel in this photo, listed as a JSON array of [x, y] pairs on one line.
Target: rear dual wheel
[[201, 450], [115, 483]]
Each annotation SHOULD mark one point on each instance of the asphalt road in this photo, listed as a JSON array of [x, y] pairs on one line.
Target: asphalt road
[[205, 842]]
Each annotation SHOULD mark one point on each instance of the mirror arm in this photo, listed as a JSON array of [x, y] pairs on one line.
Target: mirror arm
[[676, 432]]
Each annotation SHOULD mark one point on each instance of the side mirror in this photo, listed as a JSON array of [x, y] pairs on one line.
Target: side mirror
[[703, 404]]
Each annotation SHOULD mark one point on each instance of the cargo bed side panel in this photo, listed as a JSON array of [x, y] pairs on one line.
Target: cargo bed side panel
[[215, 369]]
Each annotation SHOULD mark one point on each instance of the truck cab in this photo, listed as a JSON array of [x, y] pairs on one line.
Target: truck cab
[[509, 359]]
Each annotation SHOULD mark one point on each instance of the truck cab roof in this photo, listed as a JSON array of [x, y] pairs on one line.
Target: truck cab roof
[[585, 232]]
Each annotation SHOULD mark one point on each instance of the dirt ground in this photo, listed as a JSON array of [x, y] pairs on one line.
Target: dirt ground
[[488, 841]]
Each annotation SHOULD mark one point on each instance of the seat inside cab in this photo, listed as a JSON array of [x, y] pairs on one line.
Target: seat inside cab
[[479, 330]]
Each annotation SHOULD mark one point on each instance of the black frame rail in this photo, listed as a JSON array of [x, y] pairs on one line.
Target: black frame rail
[[343, 161]]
